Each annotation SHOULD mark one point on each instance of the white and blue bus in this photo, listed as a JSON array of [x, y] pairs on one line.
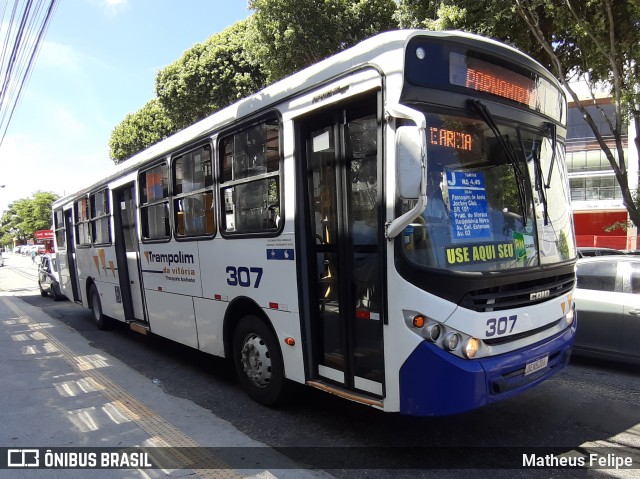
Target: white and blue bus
[[391, 225]]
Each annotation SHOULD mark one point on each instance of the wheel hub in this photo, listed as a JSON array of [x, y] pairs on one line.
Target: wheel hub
[[256, 360]]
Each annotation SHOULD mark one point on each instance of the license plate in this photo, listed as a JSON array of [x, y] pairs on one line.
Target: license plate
[[536, 365]]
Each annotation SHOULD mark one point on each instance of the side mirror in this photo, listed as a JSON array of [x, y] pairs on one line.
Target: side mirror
[[410, 152]]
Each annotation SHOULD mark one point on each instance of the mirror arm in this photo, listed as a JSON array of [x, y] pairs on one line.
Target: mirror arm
[[402, 111], [394, 228]]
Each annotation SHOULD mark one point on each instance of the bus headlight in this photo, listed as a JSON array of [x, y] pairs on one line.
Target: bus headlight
[[571, 315], [432, 332], [451, 341], [471, 348], [444, 337]]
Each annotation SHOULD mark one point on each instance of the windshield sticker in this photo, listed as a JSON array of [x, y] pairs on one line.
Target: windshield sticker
[[525, 246], [468, 206], [480, 253]]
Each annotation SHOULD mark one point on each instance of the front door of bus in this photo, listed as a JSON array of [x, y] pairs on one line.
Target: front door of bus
[[127, 252], [343, 224]]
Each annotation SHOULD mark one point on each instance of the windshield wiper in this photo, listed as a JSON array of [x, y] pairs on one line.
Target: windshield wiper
[[554, 138], [507, 147], [539, 184]]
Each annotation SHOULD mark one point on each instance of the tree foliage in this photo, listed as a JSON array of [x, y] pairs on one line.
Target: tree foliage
[[419, 13], [24, 216], [289, 35], [208, 77], [139, 130]]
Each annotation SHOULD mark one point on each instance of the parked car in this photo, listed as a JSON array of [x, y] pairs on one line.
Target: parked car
[[48, 279], [584, 252], [608, 308]]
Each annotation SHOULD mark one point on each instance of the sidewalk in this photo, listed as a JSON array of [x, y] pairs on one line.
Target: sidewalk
[[59, 392]]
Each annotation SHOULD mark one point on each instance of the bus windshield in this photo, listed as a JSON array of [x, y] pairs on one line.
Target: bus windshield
[[497, 198]]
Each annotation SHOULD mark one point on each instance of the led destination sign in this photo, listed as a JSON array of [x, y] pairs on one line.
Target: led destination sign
[[517, 89], [482, 72], [458, 140], [530, 90]]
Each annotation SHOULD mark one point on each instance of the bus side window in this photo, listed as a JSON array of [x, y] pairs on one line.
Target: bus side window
[[81, 214], [193, 207], [59, 225], [250, 199], [250, 179], [154, 203], [100, 218]]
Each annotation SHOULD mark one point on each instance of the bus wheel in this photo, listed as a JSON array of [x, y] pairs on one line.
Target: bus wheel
[[258, 361], [57, 296], [96, 308]]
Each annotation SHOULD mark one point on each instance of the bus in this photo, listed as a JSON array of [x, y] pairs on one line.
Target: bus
[[391, 225]]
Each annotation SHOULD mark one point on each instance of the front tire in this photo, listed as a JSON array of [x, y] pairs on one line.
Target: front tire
[[99, 318], [258, 361]]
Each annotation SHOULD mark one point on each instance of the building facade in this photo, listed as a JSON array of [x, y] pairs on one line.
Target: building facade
[[595, 193]]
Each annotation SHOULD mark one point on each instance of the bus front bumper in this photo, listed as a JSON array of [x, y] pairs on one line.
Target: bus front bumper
[[436, 383]]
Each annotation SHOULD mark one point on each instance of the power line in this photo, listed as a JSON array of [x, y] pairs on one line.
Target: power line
[[23, 35]]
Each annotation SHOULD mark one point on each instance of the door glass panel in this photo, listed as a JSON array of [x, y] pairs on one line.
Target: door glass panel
[[332, 329], [128, 220], [323, 200], [363, 218], [323, 187]]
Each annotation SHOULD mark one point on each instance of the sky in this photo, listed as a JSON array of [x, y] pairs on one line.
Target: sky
[[97, 63]]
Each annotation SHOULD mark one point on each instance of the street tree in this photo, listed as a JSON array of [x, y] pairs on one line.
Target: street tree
[[209, 76], [603, 39], [289, 35], [9, 227], [139, 130], [25, 216], [419, 13]]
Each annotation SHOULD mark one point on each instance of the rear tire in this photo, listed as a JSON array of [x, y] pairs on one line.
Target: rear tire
[[99, 318], [57, 296], [43, 293], [258, 361]]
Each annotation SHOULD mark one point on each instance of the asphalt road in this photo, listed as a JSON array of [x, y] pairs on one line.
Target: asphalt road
[[588, 408]]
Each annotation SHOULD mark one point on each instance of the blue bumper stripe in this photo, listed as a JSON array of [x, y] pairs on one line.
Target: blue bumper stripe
[[434, 382]]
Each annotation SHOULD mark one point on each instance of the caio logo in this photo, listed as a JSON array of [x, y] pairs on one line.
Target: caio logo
[[539, 295]]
